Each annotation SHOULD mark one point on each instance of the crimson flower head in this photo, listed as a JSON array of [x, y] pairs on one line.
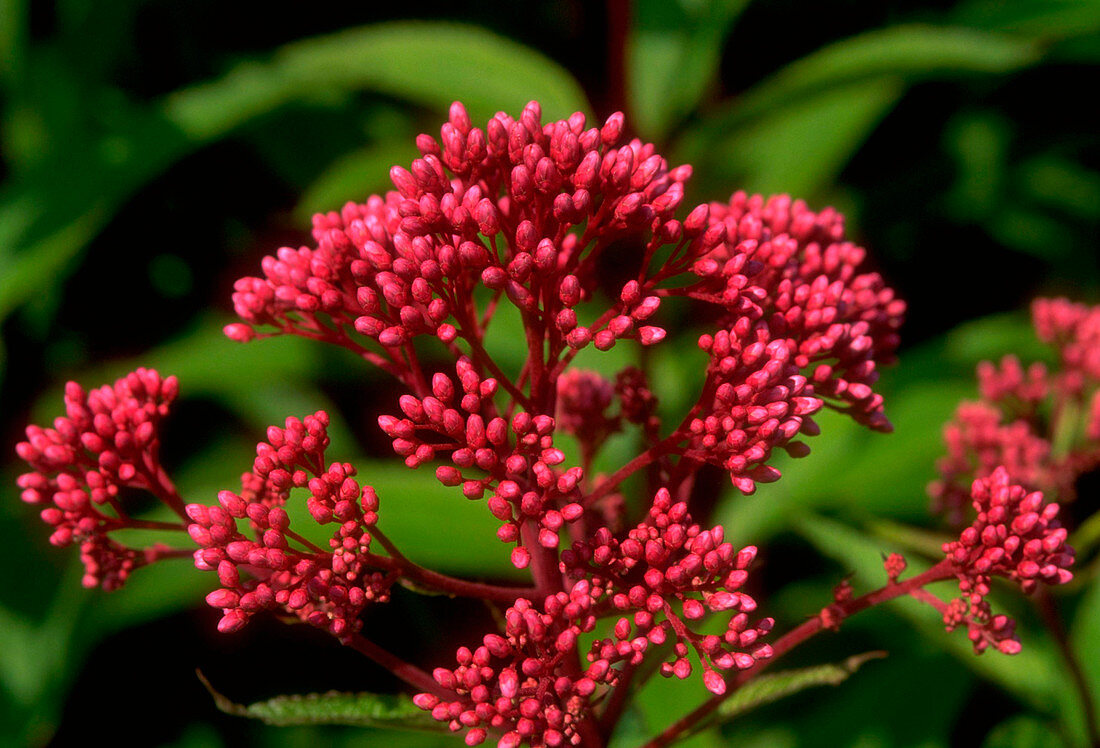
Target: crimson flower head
[[106, 443], [1015, 535], [1041, 424], [524, 210], [271, 567]]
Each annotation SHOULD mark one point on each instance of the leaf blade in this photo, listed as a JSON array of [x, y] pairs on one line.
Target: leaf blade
[[392, 711]]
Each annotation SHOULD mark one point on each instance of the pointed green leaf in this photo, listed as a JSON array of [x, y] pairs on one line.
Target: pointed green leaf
[[801, 148], [911, 52], [673, 51], [431, 64], [333, 708], [771, 687]]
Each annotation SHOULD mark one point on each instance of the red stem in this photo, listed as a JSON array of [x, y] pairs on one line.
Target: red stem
[[644, 459], [407, 672], [837, 612], [442, 582], [544, 561]]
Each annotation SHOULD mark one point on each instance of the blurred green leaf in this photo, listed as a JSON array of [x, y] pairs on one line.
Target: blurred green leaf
[[978, 142], [1032, 232], [353, 176], [909, 538], [986, 339], [38, 656], [1023, 731], [428, 63], [771, 687], [13, 39], [208, 363], [39, 264], [1085, 640], [802, 147], [423, 518], [332, 708], [911, 52], [672, 56], [18, 670], [1062, 185], [1041, 19]]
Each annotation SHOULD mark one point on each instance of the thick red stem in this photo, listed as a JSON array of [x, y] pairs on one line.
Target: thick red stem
[[836, 612], [407, 672]]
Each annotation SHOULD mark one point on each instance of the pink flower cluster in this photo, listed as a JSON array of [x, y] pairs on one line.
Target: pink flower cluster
[[526, 683], [1016, 536], [1042, 426], [791, 276], [407, 264], [524, 213], [106, 442], [666, 573], [326, 588], [759, 402], [515, 460]]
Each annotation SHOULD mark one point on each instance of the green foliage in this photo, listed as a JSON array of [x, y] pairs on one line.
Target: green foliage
[[431, 64], [771, 687], [332, 708], [672, 58]]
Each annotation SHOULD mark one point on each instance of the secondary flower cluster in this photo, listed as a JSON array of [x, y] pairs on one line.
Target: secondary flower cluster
[[328, 589], [106, 442], [1042, 426], [526, 683], [1016, 536], [664, 574], [790, 272], [514, 460]]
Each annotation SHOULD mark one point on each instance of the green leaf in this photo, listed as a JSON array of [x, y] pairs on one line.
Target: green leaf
[[1041, 19], [41, 263], [771, 687], [353, 176], [1085, 640], [332, 708], [431, 64], [911, 52], [672, 56], [13, 38], [800, 148], [979, 143], [909, 538], [1063, 185], [423, 518], [1024, 731]]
